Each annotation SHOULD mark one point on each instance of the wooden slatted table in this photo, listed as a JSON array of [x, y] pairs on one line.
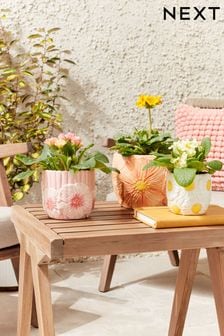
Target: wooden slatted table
[[110, 230]]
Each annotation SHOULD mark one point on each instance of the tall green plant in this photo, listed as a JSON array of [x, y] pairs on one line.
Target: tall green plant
[[31, 89]]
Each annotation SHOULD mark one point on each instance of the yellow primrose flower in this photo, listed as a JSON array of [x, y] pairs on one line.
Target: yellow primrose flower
[[141, 101], [148, 101]]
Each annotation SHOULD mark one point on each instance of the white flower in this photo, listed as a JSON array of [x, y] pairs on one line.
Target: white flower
[[185, 146], [75, 201], [181, 161]]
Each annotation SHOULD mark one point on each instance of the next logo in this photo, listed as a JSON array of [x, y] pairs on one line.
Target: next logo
[[191, 13]]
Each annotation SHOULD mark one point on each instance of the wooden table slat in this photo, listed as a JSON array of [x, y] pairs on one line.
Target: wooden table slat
[[103, 233], [98, 204], [44, 218], [92, 223], [91, 220], [98, 228], [95, 211]]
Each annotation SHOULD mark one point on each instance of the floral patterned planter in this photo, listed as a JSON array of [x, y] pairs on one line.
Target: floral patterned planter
[[135, 187], [67, 195], [192, 200]]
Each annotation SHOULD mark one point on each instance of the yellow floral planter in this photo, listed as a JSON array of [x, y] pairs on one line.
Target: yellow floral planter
[[192, 200], [135, 187]]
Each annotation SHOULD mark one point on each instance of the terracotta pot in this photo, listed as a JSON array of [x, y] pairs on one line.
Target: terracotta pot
[[67, 195], [192, 200], [135, 187]]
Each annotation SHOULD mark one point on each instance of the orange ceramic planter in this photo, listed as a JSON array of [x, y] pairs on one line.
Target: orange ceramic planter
[[135, 187]]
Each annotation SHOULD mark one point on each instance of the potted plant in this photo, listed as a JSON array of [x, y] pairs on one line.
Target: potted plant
[[133, 186], [31, 95], [68, 177], [189, 179]]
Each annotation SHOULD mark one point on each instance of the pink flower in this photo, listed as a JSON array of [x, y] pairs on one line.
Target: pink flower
[[62, 136], [50, 141], [75, 140], [60, 143], [50, 203], [75, 201], [69, 135], [49, 198]]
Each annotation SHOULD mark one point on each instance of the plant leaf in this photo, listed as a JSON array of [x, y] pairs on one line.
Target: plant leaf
[[85, 165], [100, 157], [198, 165], [34, 36], [52, 30], [17, 196], [103, 167], [215, 165], [206, 144], [23, 175], [28, 73], [184, 176], [69, 61]]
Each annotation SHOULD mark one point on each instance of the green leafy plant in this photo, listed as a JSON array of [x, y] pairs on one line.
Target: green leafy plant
[[65, 152], [31, 89], [186, 159], [140, 142], [144, 141]]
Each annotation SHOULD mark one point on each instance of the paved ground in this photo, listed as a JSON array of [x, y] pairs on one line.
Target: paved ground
[[139, 303]]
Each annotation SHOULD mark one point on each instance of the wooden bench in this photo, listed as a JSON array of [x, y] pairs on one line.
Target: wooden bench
[[110, 230]]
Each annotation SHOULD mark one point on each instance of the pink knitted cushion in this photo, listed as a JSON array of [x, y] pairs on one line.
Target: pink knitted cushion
[[194, 122]]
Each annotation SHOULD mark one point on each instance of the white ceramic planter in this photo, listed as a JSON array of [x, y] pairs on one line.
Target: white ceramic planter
[[192, 200], [67, 195]]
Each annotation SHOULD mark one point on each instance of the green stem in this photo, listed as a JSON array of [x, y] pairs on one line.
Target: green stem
[[150, 122]]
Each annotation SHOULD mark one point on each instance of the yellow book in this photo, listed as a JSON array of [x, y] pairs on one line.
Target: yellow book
[[162, 217]]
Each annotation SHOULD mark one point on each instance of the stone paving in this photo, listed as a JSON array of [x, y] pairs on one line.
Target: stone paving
[[139, 303]]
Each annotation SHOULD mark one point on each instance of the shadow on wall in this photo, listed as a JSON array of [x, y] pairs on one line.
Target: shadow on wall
[[80, 111], [82, 115]]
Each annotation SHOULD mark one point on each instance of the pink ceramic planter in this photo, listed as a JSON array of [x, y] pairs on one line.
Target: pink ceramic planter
[[67, 195]]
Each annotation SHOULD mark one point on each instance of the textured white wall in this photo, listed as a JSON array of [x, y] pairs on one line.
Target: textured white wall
[[123, 48]]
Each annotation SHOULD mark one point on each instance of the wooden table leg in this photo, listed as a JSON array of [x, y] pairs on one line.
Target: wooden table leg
[[15, 264], [216, 266], [42, 292], [25, 294], [107, 272], [174, 258], [184, 283], [34, 321]]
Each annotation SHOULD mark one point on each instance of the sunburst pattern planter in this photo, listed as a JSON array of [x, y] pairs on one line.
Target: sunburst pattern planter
[[68, 195], [135, 187], [191, 200]]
